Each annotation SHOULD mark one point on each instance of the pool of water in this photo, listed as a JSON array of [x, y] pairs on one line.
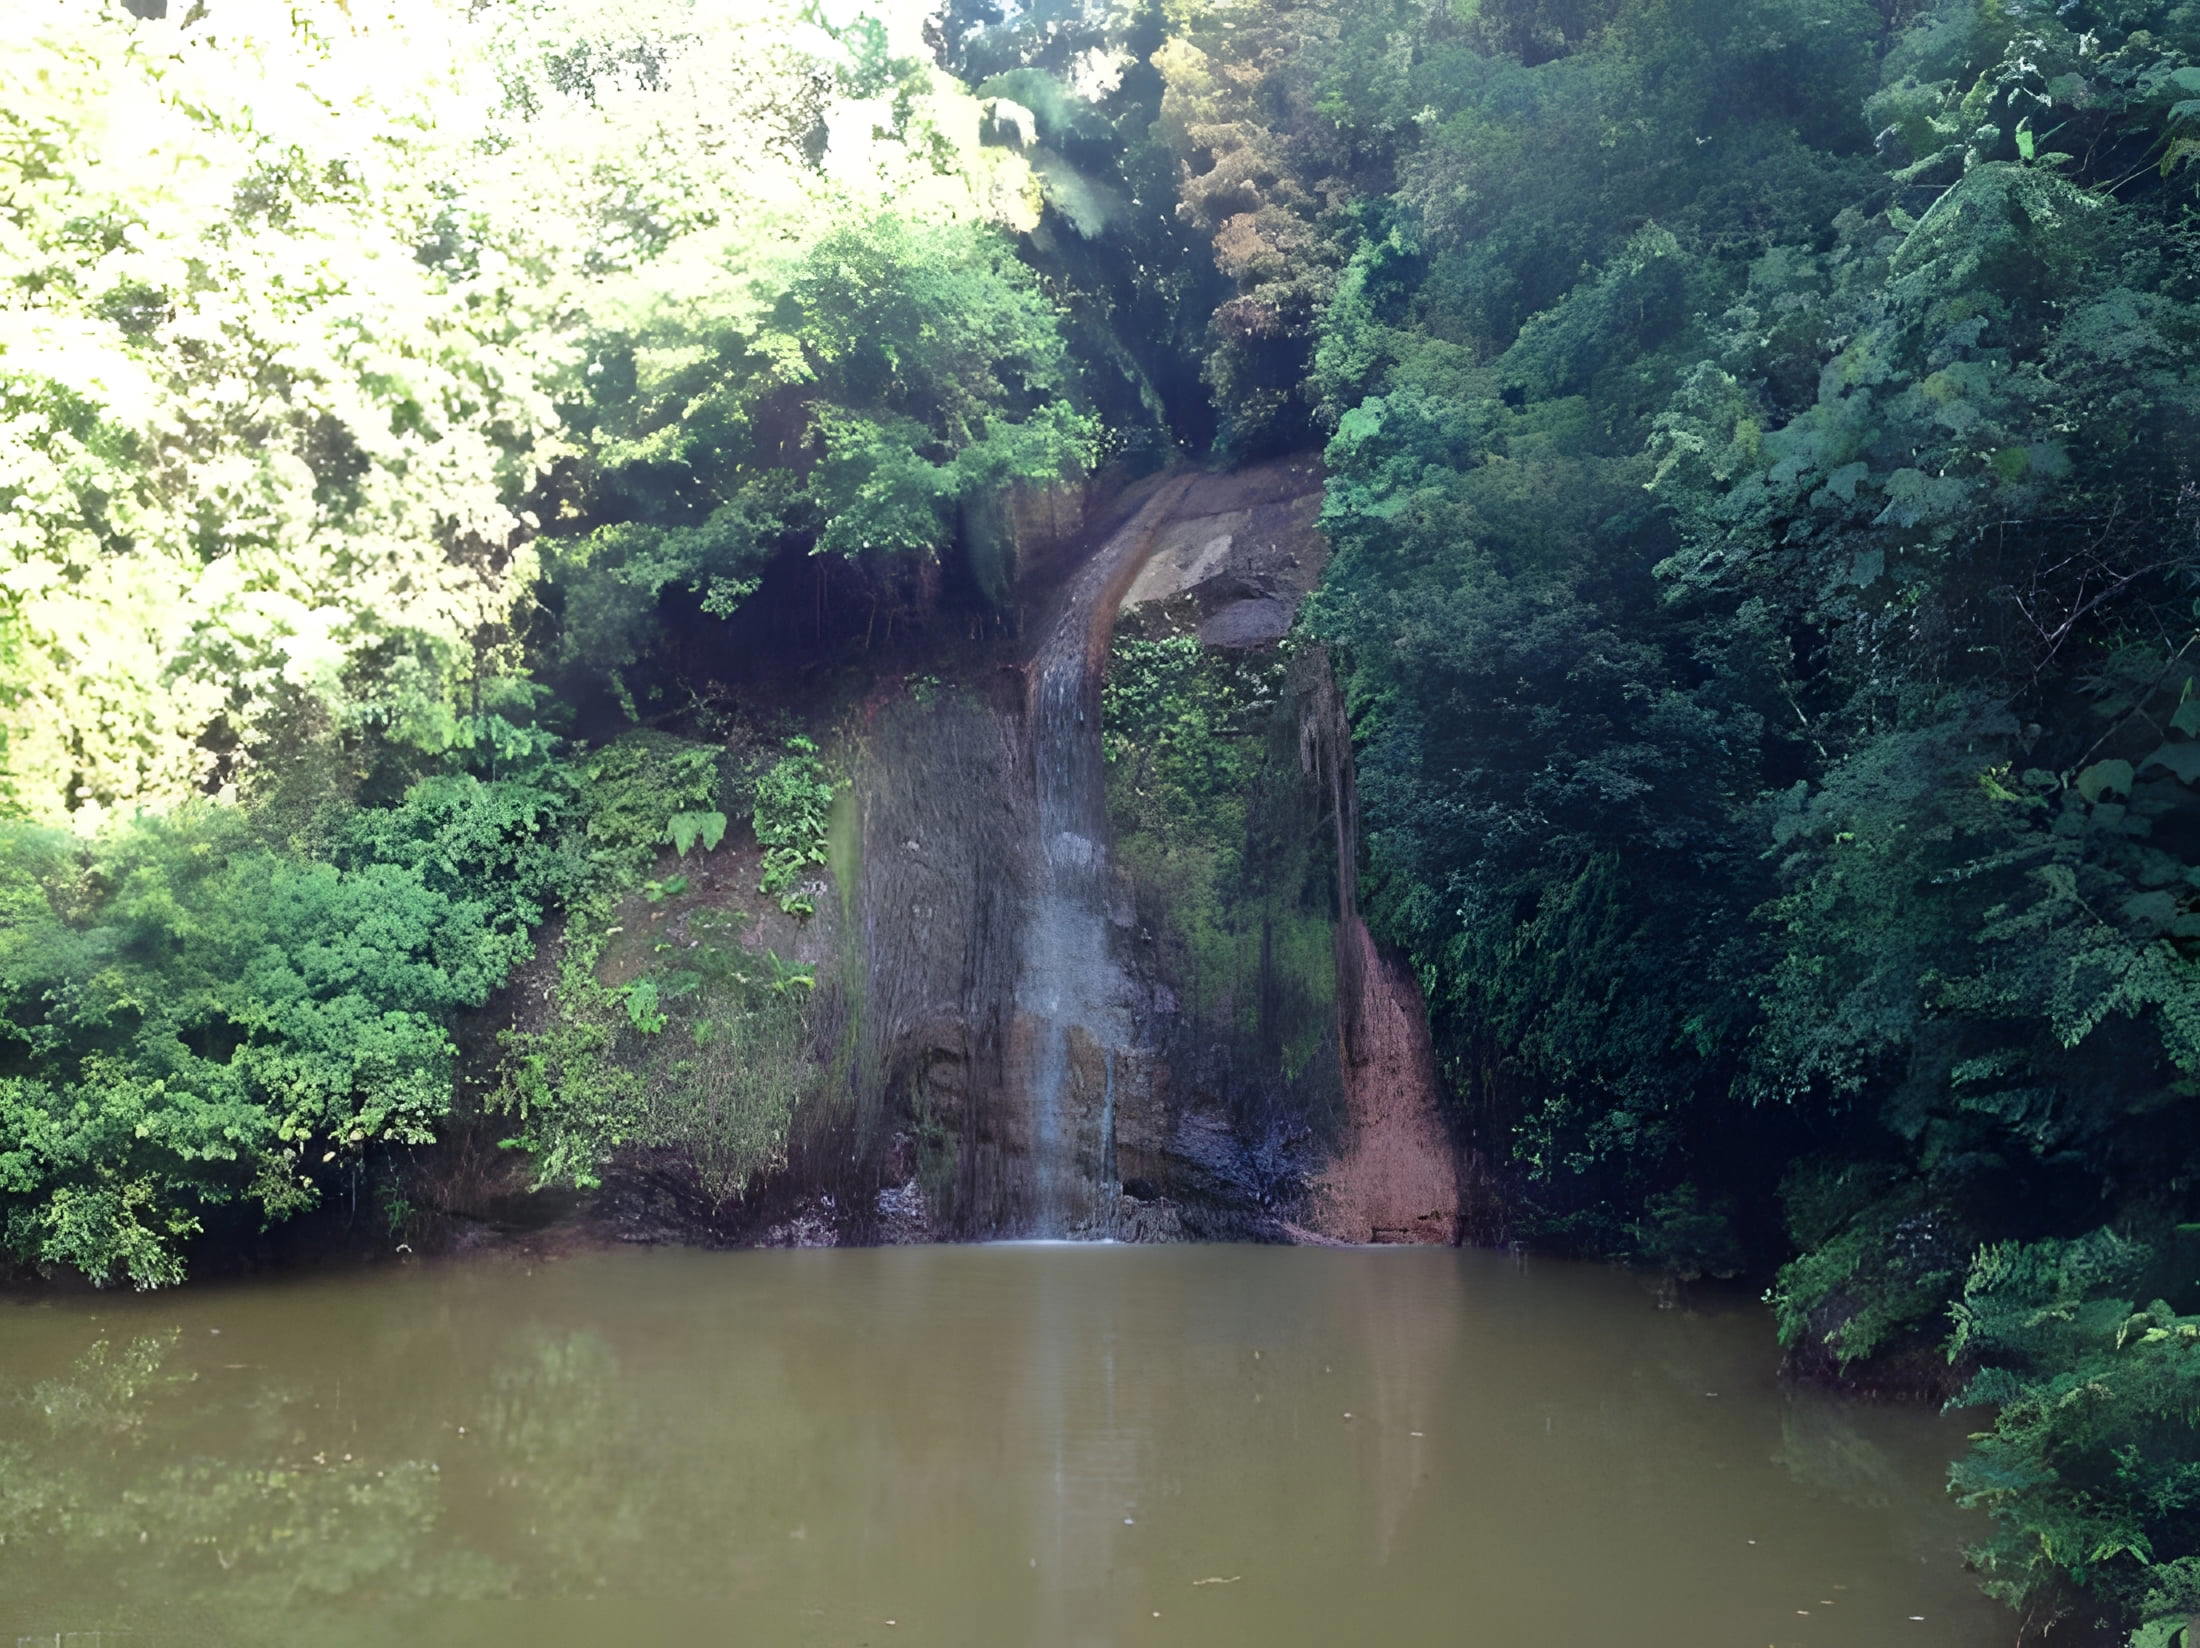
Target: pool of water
[[1015, 1445]]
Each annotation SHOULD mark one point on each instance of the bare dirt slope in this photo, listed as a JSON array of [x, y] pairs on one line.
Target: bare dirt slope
[[1397, 1179]]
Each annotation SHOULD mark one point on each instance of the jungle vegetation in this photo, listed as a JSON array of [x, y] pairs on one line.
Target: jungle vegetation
[[1761, 439]]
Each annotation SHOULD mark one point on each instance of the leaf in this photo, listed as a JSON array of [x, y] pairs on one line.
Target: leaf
[[1842, 482], [2155, 909], [641, 1006], [2103, 778], [2181, 759], [2187, 718], [1914, 497], [686, 829], [2025, 141]]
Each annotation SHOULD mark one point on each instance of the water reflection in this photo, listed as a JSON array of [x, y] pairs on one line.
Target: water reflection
[[1055, 1446]]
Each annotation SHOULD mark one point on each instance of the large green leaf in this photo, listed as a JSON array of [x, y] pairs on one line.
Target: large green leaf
[[2105, 778], [2180, 758], [684, 830]]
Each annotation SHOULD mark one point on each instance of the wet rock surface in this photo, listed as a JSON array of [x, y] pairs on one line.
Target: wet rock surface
[[1244, 1141], [1007, 1043], [1245, 548]]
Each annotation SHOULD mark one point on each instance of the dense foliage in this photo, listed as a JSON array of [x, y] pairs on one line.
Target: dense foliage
[[671, 1045], [200, 1018], [1223, 844], [374, 314], [1762, 482], [262, 468], [360, 368]]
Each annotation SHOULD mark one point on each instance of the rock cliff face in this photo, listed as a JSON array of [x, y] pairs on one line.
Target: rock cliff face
[[1349, 1145], [1019, 1034]]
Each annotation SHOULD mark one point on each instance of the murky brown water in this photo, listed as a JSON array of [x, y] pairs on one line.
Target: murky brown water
[[988, 1446]]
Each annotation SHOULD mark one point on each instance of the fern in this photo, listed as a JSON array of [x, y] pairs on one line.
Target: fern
[[792, 813]]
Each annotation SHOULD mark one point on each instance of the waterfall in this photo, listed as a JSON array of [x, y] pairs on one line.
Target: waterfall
[[1030, 1051], [1071, 994]]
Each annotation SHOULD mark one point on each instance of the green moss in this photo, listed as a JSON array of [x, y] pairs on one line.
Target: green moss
[[1221, 837], [939, 1154], [844, 847]]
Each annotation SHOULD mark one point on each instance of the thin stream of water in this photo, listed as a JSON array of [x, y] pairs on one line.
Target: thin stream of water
[[1069, 986]]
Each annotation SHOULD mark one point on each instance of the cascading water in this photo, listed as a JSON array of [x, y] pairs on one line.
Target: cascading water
[[1073, 997], [1033, 1049]]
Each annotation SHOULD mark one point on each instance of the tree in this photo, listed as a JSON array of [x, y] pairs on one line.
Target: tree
[[262, 464]]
